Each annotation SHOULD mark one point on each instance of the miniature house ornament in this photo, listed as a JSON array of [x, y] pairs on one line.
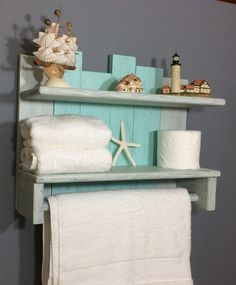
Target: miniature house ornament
[[175, 74], [56, 52], [130, 83]]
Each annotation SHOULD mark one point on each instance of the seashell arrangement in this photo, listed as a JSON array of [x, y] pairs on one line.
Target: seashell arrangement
[[130, 83], [54, 47], [56, 50]]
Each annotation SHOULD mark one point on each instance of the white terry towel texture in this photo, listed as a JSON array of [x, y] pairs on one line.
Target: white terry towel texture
[[66, 160], [118, 238], [65, 144], [86, 131]]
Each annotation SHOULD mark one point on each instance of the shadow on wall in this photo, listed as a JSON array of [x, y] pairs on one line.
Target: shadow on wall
[[29, 236], [163, 65], [7, 166], [20, 43]]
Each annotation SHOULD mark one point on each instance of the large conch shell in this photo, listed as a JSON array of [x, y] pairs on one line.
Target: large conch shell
[[130, 83]]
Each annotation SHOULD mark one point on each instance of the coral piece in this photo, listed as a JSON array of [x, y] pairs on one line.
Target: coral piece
[[130, 83]]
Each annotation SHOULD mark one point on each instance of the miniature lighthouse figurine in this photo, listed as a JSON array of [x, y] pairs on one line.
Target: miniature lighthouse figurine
[[175, 74]]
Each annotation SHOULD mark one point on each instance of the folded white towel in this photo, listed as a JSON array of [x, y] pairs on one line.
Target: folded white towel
[[86, 131], [118, 238], [56, 160]]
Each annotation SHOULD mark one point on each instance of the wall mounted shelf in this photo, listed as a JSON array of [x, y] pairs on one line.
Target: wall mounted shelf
[[43, 93], [144, 113]]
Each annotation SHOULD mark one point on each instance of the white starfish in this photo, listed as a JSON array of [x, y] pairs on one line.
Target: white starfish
[[123, 146]]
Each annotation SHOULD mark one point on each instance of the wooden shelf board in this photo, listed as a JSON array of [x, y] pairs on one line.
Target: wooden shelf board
[[121, 173], [44, 93]]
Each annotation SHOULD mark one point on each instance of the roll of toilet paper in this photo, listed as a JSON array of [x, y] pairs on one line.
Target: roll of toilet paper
[[178, 149]]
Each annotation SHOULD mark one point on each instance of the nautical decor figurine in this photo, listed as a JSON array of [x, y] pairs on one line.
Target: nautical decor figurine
[[201, 87], [130, 83], [56, 51], [175, 74], [198, 88], [123, 146]]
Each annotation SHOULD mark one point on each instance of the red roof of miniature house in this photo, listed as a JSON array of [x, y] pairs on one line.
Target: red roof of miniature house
[[199, 82]]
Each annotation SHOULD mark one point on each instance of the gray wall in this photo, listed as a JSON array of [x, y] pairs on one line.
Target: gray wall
[[204, 34]]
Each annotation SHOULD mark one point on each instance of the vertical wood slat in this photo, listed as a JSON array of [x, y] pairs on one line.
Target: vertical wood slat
[[121, 66], [147, 120]]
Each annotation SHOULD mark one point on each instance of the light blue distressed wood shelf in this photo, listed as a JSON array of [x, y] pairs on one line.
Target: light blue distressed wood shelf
[[43, 93], [143, 115], [122, 173]]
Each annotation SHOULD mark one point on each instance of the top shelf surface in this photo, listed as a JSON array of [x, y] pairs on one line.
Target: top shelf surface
[[44, 93]]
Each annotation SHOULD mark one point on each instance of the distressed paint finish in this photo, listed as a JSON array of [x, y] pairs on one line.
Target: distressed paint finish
[[29, 200], [123, 173], [205, 189], [44, 93]]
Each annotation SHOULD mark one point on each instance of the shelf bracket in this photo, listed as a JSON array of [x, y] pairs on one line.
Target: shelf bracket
[[205, 188], [29, 200]]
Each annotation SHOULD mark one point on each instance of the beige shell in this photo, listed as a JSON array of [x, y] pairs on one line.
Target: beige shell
[[130, 83], [53, 48]]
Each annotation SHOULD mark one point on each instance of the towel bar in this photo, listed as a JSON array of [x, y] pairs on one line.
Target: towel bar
[[193, 198]]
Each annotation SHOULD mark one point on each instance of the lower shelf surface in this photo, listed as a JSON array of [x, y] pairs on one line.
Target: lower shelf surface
[[121, 173]]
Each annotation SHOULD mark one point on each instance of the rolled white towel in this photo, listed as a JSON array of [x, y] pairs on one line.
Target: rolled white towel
[[57, 160], [86, 131]]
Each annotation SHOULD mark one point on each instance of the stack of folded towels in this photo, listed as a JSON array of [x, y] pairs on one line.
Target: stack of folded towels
[[65, 144]]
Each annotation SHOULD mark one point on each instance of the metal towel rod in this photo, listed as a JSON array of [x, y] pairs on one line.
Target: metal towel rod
[[193, 198]]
